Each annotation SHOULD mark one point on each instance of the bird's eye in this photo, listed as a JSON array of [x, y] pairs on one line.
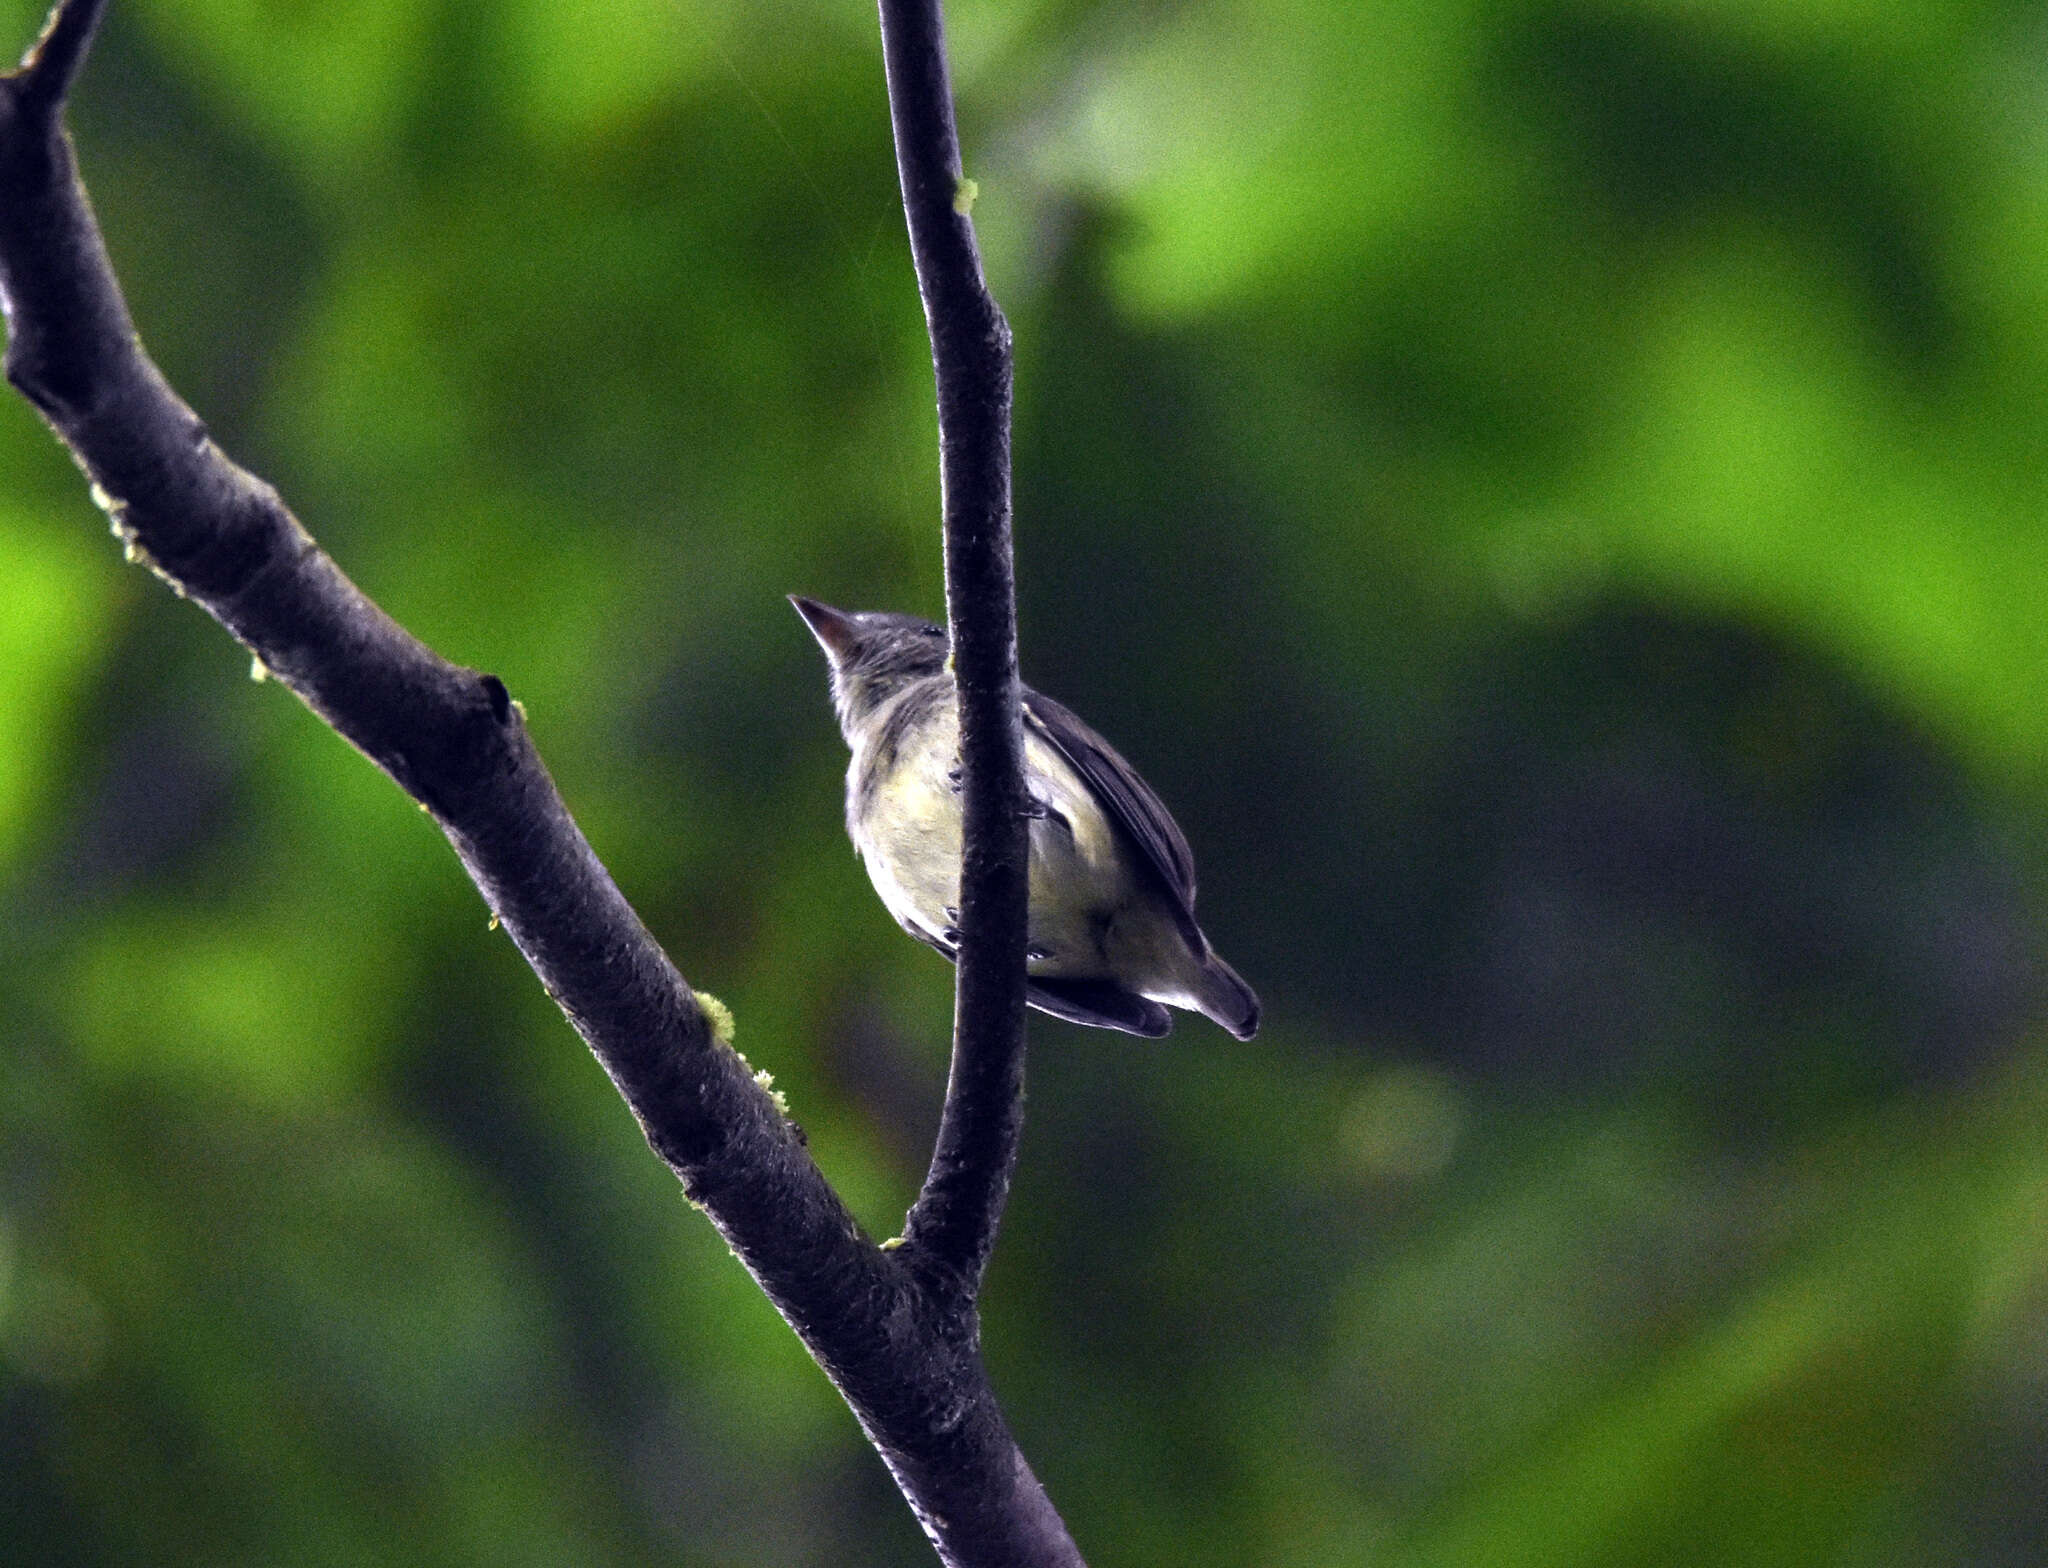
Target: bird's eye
[[934, 631]]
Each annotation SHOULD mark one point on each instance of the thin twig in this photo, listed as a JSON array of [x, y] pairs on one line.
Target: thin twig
[[952, 1226]]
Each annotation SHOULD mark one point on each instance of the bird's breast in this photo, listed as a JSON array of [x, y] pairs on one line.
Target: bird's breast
[[1090, 913], [904, 815]]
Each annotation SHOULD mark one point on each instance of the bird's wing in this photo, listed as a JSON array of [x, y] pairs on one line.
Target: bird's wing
[[1126, 798], [1101, 1004]]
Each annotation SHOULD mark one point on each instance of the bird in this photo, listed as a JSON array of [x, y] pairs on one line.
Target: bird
[[1112, 940]]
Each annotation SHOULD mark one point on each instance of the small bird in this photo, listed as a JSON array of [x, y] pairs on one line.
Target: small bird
[[1112, 901]]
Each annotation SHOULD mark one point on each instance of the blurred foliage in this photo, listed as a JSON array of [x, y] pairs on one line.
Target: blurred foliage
[[1552, 491]]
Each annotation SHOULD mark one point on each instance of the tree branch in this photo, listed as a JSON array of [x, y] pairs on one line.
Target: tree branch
[[899, 1347], [953, 1224], [54, 58]]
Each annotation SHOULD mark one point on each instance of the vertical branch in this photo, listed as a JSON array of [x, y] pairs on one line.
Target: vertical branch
[[953, 1223], [896, 1331]]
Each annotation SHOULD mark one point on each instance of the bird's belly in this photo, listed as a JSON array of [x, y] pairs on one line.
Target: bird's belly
[[910, 843], [1086, 916]]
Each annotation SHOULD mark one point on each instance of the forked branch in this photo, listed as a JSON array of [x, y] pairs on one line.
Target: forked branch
[[895, 1330]]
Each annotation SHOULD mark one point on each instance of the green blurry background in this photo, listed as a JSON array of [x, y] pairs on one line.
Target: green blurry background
[[1551, 492]]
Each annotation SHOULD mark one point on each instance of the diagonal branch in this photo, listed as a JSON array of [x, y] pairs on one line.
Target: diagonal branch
[[896, 1337], [953, 1224]]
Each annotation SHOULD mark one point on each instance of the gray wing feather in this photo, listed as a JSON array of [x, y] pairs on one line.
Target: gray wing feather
[[1128, 799], [1102, 1003]]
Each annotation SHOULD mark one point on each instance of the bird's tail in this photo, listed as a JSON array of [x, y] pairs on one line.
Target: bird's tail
[[1227, 1000]]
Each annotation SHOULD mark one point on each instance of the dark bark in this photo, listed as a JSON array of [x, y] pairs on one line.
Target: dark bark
[[954, 1221], [895, 1330], [951, 1229]]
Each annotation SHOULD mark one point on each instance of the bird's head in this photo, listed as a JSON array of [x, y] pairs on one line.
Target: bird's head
[[873, 653]]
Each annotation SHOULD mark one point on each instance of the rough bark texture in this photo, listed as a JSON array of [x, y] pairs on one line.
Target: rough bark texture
[[894, 1329], [956, 1216]]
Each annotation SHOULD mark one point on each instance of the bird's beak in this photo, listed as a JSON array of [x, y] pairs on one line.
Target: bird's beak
[[834, 629]]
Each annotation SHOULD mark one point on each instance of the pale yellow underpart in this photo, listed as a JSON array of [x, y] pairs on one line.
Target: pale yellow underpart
[[1088, 910]]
